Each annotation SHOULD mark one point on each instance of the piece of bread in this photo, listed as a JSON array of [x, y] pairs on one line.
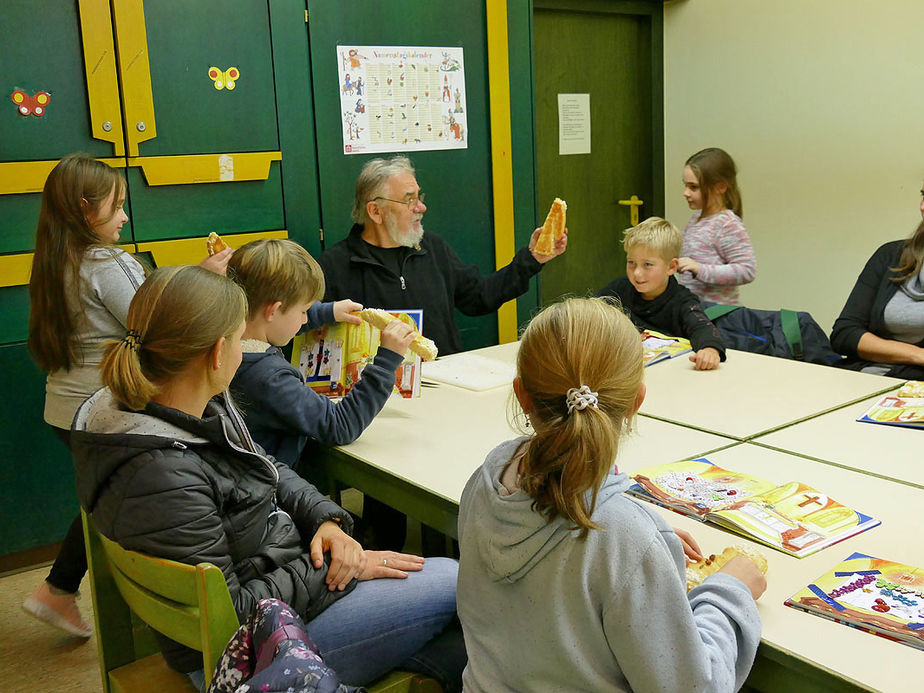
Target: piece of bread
[[553, 228], [215, 244], [699, 571], [378, 318]]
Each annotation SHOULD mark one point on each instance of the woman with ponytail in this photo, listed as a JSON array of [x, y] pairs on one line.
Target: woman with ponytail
[[590, 583], [166, 466]]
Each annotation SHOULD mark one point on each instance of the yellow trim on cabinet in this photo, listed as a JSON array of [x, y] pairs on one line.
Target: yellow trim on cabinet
[[205, 168], [501, 163], [100, 69], [191, 251], [135, 69], [21, 177], [15, 269]]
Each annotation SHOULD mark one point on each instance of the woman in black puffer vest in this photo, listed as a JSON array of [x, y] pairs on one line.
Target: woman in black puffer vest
[[167, 467]]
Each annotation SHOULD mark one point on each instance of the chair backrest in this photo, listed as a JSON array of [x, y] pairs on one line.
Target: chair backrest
[[188, 604]]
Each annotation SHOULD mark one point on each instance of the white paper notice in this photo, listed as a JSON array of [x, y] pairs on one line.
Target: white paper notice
[[573, 124]]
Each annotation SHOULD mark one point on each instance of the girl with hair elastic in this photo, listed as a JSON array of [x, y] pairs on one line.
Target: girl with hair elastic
[[80, 290], [166, 466], [590, 582], [717, 256], [881, 328]]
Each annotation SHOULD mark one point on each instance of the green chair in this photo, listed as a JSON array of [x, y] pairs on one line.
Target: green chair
[[133, 592], [189, 604]]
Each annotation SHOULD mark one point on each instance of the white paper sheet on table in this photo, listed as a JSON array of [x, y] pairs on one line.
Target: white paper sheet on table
[[471, 371]]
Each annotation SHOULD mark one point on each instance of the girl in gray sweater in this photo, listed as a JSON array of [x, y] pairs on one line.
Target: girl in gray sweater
[[564, 582]]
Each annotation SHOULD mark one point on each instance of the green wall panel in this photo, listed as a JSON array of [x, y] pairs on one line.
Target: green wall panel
[[41, 51], [186, 211], [37, 495], [295, 115], [185, 39], [19, 214], [457, 182], [14, 316]]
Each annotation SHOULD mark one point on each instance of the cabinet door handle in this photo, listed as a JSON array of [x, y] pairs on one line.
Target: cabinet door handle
[[135, 69], [100, 68]]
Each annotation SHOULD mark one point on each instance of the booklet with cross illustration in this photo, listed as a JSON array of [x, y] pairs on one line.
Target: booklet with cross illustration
[[870, 594], [904, 407], [660, 347], [792, 517]]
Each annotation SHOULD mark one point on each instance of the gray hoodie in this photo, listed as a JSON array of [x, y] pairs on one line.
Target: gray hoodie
[[543, 610]]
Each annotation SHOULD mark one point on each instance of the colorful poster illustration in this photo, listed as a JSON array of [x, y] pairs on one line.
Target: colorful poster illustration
[[402, 98]]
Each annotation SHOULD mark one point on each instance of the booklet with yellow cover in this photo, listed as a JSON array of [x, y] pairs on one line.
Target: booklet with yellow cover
[[659, 347], [871, 594], [791, 517], [332, 357], [904, 407]]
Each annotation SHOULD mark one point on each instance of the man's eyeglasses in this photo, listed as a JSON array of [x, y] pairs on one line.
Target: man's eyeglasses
[[409, 203]]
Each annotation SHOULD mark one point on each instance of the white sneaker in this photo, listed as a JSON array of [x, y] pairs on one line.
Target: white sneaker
[[60, 610]]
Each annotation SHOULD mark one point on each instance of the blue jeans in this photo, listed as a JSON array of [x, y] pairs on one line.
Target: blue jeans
[[385, 624]]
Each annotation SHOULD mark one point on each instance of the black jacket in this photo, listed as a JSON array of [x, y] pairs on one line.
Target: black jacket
[[433, 278], [195, 490], [865, 310], [677, 313]]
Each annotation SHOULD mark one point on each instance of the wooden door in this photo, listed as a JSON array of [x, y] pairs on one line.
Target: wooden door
[[594, 48]]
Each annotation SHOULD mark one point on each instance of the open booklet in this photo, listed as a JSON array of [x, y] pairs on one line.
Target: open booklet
[[904, 407], [332, 357], [792, 517], [871, 594], [658, 347]]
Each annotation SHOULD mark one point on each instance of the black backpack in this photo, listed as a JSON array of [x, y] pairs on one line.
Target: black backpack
[[784, 333]]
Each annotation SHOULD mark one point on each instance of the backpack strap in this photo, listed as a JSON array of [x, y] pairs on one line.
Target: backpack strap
[[718, 310], [789, 322]]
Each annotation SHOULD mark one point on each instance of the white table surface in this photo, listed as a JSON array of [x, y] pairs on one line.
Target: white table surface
[[751, 394], [892, 452], [437, 440], [875, 662]]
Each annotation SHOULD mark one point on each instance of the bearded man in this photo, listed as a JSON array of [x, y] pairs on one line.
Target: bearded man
[[388, 261]]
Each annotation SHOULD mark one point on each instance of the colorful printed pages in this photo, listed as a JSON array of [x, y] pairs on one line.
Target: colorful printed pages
[[792, 518], [658, 347], [332, 357], [871, 594], [471, 371], [904, 407]]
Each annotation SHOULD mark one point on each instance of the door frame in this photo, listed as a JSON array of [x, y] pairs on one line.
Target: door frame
[[654, 11]]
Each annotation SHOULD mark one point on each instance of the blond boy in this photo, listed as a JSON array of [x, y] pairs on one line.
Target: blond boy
[[283, 284], [654, 299]]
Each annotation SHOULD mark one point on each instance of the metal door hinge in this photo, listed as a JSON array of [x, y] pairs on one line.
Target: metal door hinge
[[306, 16]]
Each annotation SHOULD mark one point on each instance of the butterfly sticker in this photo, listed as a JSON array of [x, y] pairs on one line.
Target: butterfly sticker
[[226, 79], [31, 105]]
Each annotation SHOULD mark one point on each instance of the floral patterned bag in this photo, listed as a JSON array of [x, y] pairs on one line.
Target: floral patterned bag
[[271, 652]]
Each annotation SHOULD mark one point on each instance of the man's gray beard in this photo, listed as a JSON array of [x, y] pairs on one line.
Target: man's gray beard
[[409, 238]]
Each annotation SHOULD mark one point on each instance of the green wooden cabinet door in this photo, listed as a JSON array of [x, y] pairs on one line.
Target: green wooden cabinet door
[[457, 182], [185, 41], [40, 52]]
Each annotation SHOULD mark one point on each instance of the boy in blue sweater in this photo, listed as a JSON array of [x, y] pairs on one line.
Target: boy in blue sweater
[[283, 285]]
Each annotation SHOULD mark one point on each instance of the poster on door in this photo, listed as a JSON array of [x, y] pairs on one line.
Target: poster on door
[[402, 98]]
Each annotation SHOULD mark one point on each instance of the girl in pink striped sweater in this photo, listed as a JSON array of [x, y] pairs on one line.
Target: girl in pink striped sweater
[[717, 255]]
